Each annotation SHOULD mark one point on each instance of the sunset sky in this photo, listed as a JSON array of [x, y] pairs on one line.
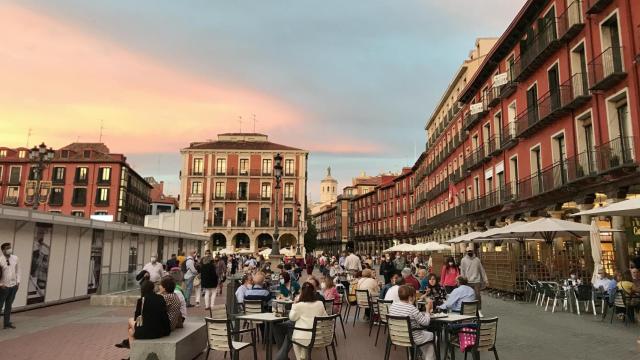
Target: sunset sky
[[351, 81]]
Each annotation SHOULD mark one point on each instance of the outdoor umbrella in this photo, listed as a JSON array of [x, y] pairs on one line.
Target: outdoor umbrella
[[431, 246], [629, 207], [548, 229], [596, 250], [499, 232], [465, 238]]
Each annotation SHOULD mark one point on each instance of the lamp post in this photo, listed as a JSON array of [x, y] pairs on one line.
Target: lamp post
[[298, 212], [40, 156], [277, 173]]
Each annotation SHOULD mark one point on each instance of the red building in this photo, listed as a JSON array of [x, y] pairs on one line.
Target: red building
[[548, 123], [85, 178]]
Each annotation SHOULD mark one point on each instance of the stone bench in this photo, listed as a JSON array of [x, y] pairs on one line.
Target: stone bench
[[182, 344]]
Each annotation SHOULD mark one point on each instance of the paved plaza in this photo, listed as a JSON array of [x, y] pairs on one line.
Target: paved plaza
[[80, 331]]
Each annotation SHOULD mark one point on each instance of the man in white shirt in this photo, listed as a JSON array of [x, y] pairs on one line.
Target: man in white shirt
[[189, 276], [352, 262], [9, 282], [392, 293], [154, 268]]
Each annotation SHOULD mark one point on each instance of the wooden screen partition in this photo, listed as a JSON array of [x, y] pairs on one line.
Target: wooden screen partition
[[437, 260], [500, 267]]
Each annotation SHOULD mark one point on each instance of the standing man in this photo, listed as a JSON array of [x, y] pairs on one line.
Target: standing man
[[9, 282], [399, 262], [471, 268], [154, 268], [352, 263], [221, 271], [189, 274]]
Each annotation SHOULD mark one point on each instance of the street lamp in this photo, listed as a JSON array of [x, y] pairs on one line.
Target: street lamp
[[277, 173], [298, 212], [40, 156]]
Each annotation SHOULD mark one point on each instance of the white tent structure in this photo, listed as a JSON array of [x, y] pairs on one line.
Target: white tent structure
[[401, 248], [500, 232], [629, 207], [284, 251]]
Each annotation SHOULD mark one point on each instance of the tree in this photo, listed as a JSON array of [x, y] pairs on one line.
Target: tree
[[311, 236]]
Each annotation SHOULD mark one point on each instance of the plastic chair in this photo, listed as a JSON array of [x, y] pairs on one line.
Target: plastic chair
[[322, 336], [363, 301], [382, 310], [401, 335], [485, 332], [220, 338]]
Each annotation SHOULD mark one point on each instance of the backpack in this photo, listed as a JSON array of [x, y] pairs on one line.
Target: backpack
[[183, 266]]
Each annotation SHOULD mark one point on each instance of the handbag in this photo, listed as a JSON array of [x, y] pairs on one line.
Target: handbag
[[139, 318], [197, 281]]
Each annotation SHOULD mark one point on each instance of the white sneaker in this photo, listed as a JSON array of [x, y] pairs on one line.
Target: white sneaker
[[479, 313]]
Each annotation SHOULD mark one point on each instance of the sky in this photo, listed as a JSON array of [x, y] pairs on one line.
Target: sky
[[353, 81]]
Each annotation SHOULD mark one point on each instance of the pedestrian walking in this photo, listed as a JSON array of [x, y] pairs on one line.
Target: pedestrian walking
[[471, 268], [190, 272], [209, 277], [9, 282], [221, 270], [155, 270]]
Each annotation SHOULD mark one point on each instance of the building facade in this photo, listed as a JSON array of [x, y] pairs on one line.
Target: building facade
[[232, 180], [85, 179], [160, 203], [547, 125]]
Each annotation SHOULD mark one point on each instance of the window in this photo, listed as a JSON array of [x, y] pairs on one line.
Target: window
[[102, 196], [79, 197], [64, 154], [265, 217], [532, 104], [57, 176], [476, 187], [198, 167], [219, 194], [242, 190], [22, 154], [266, 166], [12, 195], [0, 174], [81, 175], [33, 173], [196, 188], [265, 191], [77, 213], [101, 213], [244, 166], [288, 167], [56, 197], [86, 154], [14, 175], [242, 216], [560, 157], [3, 153], [288, 191], [218, 216], [288, 217], [579, 79], [536, 169], [513, 170], [221, 166], [104, 175]]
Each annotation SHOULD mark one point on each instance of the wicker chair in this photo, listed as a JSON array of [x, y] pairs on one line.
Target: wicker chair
[[382, 310], [322, 336], [220, 338], [401, 335], [363, 301]]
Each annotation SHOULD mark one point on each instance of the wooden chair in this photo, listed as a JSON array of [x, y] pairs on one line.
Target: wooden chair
[[220, 338], [382, 310], [363, 301], [470, 308], [401, 335], [485, 332], [322, 336]]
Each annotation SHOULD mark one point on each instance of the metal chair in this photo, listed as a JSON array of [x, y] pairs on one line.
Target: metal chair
[[584, 293], [401, 334], [559, 294], [382, 310], [363, 301], [485, 332], [624, 301], [322, 336], [470, 308], [220, 338]]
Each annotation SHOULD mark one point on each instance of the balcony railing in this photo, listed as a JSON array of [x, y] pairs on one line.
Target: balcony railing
[[548, 107], [476, 158], [571, 22], [539, 48], [497, 197], [615, 154], [493, 96], [595, 6], [509, 136], [511, 86], [606, 69], [493, 145], [580, 93], [471, 119]]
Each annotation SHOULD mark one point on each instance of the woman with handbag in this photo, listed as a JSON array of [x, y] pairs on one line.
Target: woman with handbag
[[151, 320]]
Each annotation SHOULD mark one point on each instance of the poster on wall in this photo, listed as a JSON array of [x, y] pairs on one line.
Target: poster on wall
[[95, 263], [39, 264]]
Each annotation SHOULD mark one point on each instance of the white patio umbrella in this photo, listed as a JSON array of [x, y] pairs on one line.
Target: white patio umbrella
[[499, 232], [629, 207], [265, 253], [465, 238], [225, 251], [596, 250], [287, 252], [548, 229], [431, 246]]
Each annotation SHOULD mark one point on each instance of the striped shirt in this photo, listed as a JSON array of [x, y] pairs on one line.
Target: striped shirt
[[419, 320]]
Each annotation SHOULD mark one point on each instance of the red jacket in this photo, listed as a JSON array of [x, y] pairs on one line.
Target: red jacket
[[411, 280], [448, 278]]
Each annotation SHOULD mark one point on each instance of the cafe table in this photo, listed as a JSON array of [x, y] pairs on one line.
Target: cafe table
[[268, 319]]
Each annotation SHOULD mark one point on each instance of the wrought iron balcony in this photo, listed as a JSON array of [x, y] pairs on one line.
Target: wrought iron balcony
[[596, 6], [606, 69], [571, 22], [538, 49], [493, 96], [580, 93], [509, 136], [476, 158]]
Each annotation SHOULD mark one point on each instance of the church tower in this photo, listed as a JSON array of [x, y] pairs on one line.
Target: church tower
[[328, 188]]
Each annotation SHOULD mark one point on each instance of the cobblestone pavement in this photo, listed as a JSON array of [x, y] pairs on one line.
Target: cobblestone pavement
[[80, 331]]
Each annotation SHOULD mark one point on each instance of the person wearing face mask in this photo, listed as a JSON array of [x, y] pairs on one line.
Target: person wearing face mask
[[448, 274], [288, 288], [330, 292], [471, 268], [386, 268], [9, 282], [155, 270]]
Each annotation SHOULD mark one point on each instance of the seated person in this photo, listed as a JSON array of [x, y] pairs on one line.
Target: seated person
[[463, 293], [367, 282], [419, 320], [422, 279], [288, 289], [392, 281], [174, 305], [259, 292], [151, 320], [316, 286], [330, 292], [606, 284], [392, 293], [247, 283], [303, 313], [409, 279], [434, 291]]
